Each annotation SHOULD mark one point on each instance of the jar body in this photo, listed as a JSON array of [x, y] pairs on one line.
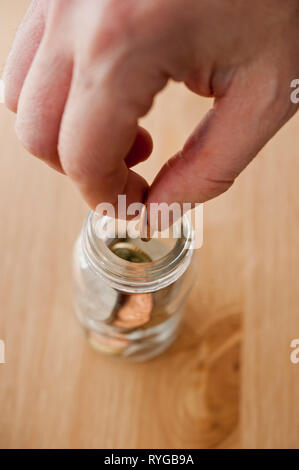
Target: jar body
[[153, 315]]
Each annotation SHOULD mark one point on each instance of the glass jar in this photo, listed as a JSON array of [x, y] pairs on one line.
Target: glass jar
[[131, 308]]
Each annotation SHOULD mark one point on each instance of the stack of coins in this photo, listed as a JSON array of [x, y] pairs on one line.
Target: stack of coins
[[130, 311], [135, 309]]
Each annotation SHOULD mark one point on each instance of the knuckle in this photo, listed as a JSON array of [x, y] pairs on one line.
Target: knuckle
[[118, 17], [113, 31], [212, 186], [58, 8]]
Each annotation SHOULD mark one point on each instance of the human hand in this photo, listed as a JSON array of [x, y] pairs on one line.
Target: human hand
[[82, 72]]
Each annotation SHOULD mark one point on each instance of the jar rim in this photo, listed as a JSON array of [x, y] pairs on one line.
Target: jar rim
[[137, 277]]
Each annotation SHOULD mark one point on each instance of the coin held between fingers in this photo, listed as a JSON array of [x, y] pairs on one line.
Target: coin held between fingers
[[144, 228]]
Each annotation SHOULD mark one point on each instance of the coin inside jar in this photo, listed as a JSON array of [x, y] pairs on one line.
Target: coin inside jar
[[130, 252], [106, 344], [135, 309]]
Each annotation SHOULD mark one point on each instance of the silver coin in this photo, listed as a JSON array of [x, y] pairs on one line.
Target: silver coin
[[130, 252]]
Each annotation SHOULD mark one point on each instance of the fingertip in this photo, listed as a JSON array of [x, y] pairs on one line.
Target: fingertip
[[146, 137], [141, 148]]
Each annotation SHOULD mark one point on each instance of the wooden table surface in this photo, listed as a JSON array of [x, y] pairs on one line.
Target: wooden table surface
[[227, 382]]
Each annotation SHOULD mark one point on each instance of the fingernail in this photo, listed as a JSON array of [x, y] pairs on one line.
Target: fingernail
[[2, 92]]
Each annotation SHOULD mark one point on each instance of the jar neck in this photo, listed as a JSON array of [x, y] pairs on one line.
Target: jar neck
[[134, 277]]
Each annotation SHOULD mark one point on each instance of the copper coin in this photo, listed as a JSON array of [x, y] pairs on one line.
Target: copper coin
[[144, 228], [135, 311], [106, 344], [157, 317]]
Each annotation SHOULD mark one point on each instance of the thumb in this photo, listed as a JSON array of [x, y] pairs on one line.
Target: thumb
[[239, 125]]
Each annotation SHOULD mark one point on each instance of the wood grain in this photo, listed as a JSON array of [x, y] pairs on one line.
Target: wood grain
[[227, 382]]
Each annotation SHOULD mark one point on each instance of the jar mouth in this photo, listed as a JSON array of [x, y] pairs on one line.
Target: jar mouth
[[137, 277]]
